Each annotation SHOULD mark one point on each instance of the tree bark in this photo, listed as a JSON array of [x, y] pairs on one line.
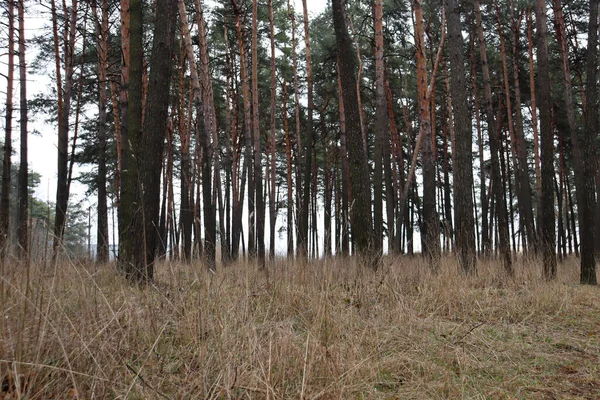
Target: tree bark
[[205, 136], [308, 144], [62, 189], [359, 171], [23, 181], [547, 220], [155, 128], [6, 162], [102, 32], [381, 129], [258, 173], [494, 139], [463, 159], [430, 234], [131, 210], [587, 230]]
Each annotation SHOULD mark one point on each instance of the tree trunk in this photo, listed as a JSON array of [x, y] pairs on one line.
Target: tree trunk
[[7, 164], [23, 192], [290, 199], [463, 160], [524, 184], [494, 139], [430, 226], [381, 128], [308, 144], [271, 167], [547, 143], [359, 171], [155, 128], [62, 189], [102, 32], [131, 211], [258, 174], [209, 123], [534, 119], [588, 205]]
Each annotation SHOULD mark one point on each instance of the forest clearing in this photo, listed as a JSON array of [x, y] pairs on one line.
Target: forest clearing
[[319, 331]]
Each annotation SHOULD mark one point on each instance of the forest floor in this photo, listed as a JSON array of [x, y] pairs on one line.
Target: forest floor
[[320, 331]]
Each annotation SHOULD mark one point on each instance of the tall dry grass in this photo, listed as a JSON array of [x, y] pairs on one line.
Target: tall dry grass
[[322, 330]]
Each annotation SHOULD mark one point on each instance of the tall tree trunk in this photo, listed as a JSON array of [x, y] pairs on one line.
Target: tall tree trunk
[[463, 160], [494, 139], [205, 136], [301, 238], [155, 129], [23, 192], [484, 243], [272, 151], [381, 128], [345, 187], [290, 199], [520, 169], [360, 215], [588, 205], [534, 119], [524, 184], [128, 243], [547, 143], [6, 162], [258, 174], [62, 189], [102, 32], [430, 224], [247, 133], [308, 144]]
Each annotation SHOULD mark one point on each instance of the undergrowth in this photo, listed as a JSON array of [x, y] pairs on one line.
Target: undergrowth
[[324, 330]]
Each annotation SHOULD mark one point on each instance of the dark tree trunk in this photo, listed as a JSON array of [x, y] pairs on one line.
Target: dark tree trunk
[[463, 139], [62, 185], [6, 162], [258, 174], [361, 193], [130, 211], [547, 220], [430, 227], [494, 139], [102, 253], [587, 231], [23, 192], [155, 128]]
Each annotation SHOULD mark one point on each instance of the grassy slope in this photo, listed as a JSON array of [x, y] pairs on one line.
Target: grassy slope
[[320, 331]]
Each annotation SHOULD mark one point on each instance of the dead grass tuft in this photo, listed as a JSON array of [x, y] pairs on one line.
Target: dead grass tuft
[[320, 331]]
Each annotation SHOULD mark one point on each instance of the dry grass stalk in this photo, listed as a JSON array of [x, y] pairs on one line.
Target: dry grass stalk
[[319, 331]]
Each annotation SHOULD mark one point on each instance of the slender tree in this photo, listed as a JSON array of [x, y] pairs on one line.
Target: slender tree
[[102, 32], [381, 129], [130, 209], [430, 228], [588, 233], [62, 185], [23, 187], [494, 138], [463, 159], [6, 162], [258, 175], [547, 220]]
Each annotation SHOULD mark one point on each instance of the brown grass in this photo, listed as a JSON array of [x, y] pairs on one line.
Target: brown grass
[[319, 331]]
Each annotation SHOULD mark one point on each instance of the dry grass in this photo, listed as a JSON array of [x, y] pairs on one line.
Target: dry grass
[[325, 330]]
